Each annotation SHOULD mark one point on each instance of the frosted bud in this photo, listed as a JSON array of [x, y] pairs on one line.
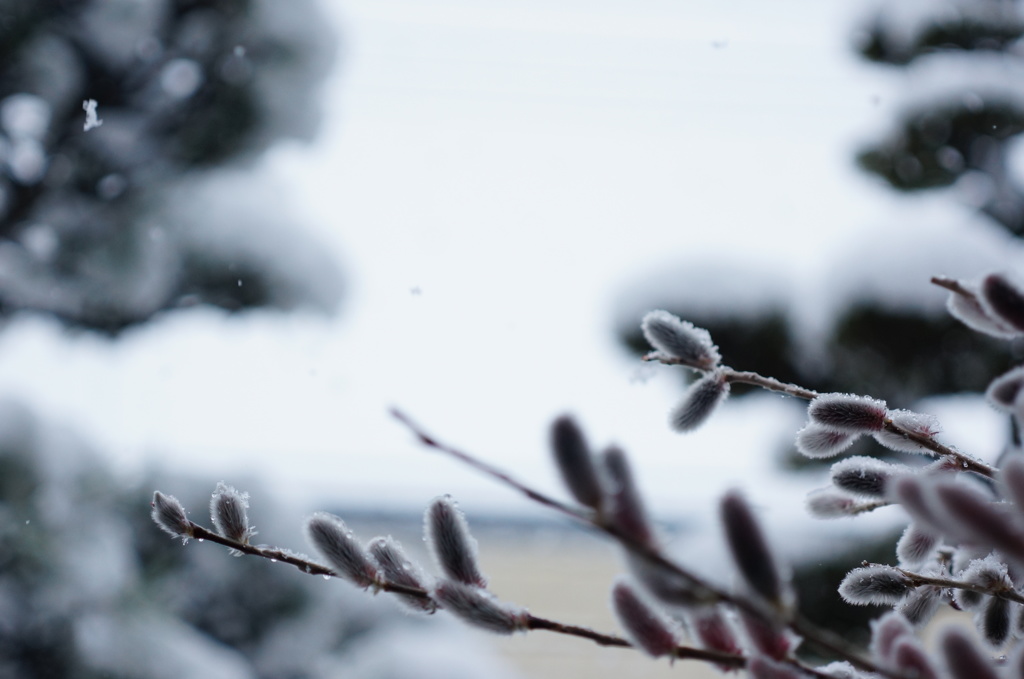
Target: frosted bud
[[989, 573], [681, 340], [228, 512], [967, 309], [1002, 392], [665, 584], [1011, 478], [750, 552], [920, 605], [886, 632], [963, 659], [911, 659], [398, 569], [713, 630], [993, 621], [916, 545], [168, 513], [700, 400], [480, 608], [829, 503], [912, 493], [454, 549], [339, 547], [879, 585], [866, 476], [816, 441], [918, 423], [623, 504], [760, 667], [975, 518], [647, 628], [848, 413], [968, 599], [1004, 300], [575, 462], [771, 640]]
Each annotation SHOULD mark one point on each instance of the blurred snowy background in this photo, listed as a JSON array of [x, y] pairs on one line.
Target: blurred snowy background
[[296, 216]]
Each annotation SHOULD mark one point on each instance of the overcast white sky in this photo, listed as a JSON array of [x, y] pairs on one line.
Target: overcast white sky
[[491, 175]]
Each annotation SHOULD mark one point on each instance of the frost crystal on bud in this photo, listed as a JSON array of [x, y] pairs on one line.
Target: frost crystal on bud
[[699, 402], [815, 441], [228, 512], [622, 502], [1004, 299], [750, 551], [989, 573], [848, 413], [917, 423], [454, 549], [398, 569], [880, 585], [866, 476], [575, 462], [681, 340], [963, 658], [170, 516], [968, 310], [480, 608], [335, 542], [648, 628], [1003, 390], [916, 544]]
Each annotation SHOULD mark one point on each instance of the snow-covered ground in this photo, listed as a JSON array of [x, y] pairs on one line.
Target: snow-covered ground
[[491, 175]]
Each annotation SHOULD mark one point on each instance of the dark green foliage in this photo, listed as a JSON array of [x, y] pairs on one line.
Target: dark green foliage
[[952, 31], [101, 237], [901, 357], [932, 147]]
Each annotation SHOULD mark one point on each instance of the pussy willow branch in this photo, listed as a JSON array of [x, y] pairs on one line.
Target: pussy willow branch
[[533, 622], [966, 462], [823, 639], [919, 580]]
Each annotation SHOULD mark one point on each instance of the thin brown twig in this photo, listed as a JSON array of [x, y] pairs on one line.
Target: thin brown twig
[[952, 285], [533, 622], [921, 580], [823, 639], [966, 462]]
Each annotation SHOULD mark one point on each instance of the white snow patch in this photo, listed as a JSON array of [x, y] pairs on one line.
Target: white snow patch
[[91, 118]]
